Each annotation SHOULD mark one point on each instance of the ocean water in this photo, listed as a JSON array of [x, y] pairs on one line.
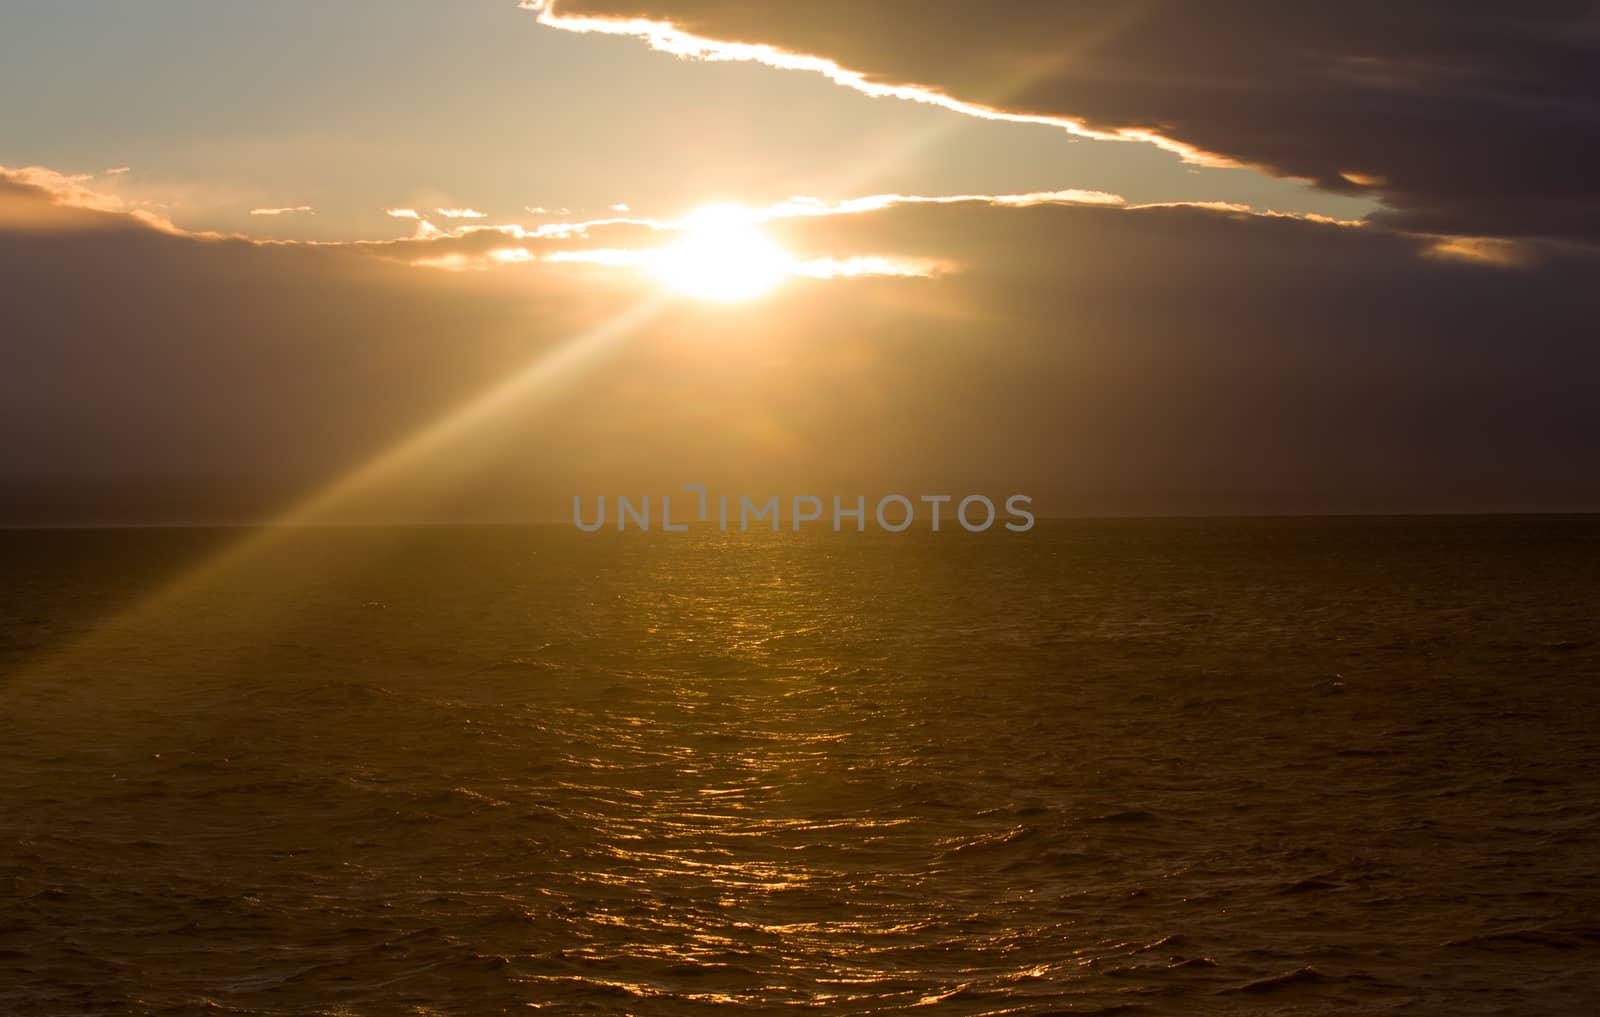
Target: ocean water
[[1152, 767]]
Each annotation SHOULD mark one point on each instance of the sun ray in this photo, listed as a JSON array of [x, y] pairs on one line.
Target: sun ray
[[539, 378]]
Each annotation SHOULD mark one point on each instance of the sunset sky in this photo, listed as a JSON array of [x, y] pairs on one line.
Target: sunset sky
[[454, 261]]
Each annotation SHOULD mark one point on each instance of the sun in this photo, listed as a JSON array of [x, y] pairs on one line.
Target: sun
[[723, 257]]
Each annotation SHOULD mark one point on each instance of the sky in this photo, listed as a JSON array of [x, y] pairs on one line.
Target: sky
[[219, 107], [433, 261]]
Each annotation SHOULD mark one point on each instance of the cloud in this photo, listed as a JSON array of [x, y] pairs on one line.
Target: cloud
[[640, 243], [461, 213], [1102, 358], [68, 191], [1472, 119], [646, 246], [297, 210]]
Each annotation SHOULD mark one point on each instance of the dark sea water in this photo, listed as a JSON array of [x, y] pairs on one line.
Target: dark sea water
[[1271, 766]]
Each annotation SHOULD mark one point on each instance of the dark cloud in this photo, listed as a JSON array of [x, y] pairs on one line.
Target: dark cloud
[[1103, 359], [1463, 117], [149, 373]]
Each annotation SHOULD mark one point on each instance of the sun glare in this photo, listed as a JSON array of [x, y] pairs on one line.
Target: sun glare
[[724, 257]]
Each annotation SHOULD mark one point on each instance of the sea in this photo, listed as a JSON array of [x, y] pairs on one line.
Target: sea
[[1143, 767]]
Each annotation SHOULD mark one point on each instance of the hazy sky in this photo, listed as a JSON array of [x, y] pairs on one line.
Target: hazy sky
[[968, 296]]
